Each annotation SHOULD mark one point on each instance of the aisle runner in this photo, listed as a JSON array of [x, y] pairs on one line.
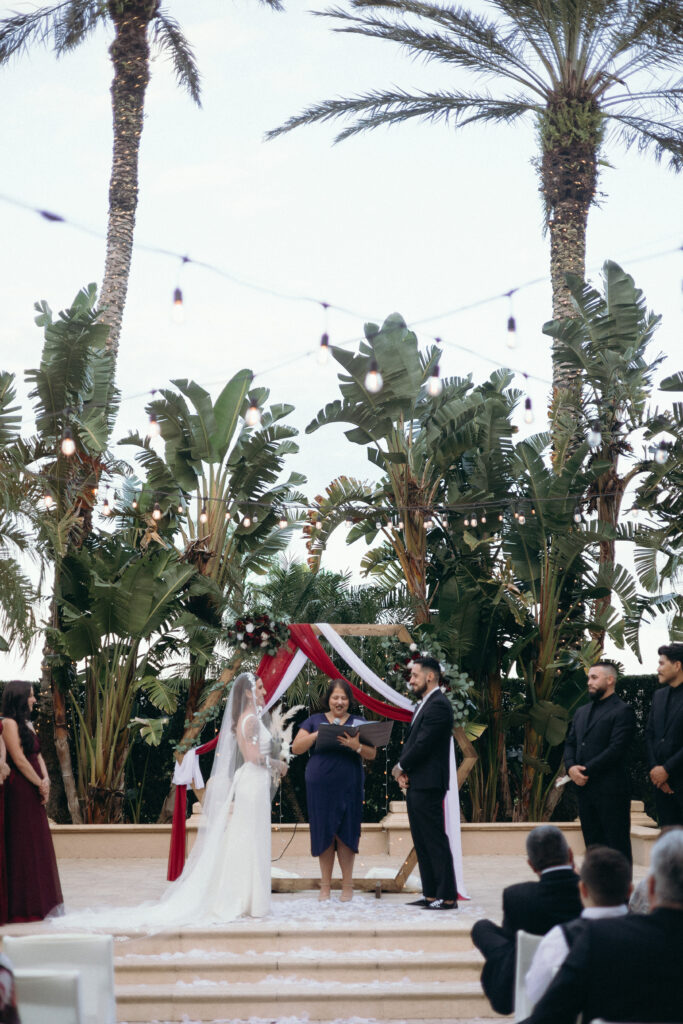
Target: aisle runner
[[278, 672]]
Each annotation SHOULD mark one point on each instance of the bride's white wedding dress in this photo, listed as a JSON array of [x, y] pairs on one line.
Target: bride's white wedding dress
[[227, 875]]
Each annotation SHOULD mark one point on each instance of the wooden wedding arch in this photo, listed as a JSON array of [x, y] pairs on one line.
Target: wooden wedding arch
[[396, 883]]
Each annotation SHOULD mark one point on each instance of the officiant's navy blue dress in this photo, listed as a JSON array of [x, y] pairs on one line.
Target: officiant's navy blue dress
[[334, 790]]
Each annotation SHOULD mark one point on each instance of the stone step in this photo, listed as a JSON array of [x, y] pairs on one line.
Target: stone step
[[422, 936], [319, 1000], [397, 966]]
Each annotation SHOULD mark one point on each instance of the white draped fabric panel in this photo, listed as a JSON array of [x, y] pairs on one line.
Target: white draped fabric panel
[[362, 670]]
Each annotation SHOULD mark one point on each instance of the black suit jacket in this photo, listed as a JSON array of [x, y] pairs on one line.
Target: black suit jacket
[[426, 752], [537, 907], [664, 734], [600, 737], [625, 969]]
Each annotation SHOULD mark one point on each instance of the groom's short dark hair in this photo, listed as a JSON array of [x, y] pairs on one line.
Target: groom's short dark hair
[[428, 662]]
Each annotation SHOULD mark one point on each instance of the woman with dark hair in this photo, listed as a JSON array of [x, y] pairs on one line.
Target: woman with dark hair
[[334, 788], [4, 772], [33, 888]]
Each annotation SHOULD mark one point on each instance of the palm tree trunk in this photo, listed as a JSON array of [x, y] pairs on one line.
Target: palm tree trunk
[[570, 140], [130, 57], [61, 731]]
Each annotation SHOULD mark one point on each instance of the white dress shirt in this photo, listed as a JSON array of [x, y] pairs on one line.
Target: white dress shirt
[[553, 949]]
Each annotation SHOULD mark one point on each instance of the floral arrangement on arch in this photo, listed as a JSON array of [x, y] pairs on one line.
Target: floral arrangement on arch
[[455, 684], [258, 632]]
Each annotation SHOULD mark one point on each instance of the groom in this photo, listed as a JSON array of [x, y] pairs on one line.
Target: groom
[[422, 773]]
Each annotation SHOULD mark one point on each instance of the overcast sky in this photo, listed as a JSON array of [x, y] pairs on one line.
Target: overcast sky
[[417, 219]]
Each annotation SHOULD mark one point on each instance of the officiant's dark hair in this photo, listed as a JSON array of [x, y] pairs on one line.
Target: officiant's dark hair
[[427, 661], [338, 684]]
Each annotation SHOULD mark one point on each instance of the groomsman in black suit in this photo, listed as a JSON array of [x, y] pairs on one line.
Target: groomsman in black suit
[[664, 736], [423, 774], [599, 740], [534, 907]]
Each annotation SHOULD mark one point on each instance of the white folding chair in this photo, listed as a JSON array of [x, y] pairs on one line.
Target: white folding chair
[[91, 955], [524, 954], [53, 996]]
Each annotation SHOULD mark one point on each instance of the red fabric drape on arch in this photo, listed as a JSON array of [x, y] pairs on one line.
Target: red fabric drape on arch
[[271, 670]]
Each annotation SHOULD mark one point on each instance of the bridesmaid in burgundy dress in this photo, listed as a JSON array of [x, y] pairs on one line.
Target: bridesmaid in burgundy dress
[[33, 888], [4, 772]]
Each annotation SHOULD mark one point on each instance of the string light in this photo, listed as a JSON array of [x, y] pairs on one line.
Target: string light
[[324, 349], [156, 512], [434, 384], [594, 434], [373, 378], [252, 416], [106, 510], [181, 510], [178, 311], [134, 503], [68, 443], [528, 411], [577, 515], [153, 429], [48, 501], [204, 515], [482, 518], [661, 453], [511, 340], [429, 523], [521, 518], [473, 521], [246, 522], [466, 521], [282, 523]]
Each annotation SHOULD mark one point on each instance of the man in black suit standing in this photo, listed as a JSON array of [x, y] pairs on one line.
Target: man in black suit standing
[[423, 774], [600, 737], [534, 907], [664, 736], [627, 968]]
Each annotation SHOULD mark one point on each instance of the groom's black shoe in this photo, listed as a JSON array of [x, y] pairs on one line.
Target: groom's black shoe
[[440, 905], [419, 903]]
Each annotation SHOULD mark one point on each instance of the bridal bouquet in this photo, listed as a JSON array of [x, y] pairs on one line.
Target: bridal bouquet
[[281, 728]]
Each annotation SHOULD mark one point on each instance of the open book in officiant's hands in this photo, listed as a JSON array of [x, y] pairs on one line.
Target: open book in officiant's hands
[[373, 734]]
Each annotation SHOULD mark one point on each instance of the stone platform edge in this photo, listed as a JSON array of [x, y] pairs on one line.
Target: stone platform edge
[[390, 837]]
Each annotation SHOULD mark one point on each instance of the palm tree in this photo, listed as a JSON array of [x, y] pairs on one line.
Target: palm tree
[[136, 23], [576, 67]]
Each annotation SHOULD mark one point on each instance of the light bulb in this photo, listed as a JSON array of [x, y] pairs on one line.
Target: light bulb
[[252, 417], [153, 430], [661, 453], [227, 516], [429, 523], [347, 524], [203, 515], [282, 523], [254, 518], [521, 519], [156, 512], [512, 332], [180, 510], [473, 521], [324, 350], [134, 503], [48, 501], [178, 310], [68, 443], [528, 411], [434, 384], [246, 522], [373, 378], [482, 518], [577, 514], [319, 524], [106, 511], [466, 521], [594, 434]]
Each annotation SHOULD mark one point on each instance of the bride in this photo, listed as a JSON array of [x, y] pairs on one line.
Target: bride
[[228, 872]]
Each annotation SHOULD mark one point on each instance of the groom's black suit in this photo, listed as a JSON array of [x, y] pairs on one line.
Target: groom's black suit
[[425, 759]]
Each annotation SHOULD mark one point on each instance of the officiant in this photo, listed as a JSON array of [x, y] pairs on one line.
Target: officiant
[[334, 787]]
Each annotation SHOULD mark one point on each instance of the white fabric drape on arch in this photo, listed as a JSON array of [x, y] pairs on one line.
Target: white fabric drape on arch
[[452, 801]]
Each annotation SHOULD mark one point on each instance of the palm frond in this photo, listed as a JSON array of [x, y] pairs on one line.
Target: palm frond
[[168, 36]]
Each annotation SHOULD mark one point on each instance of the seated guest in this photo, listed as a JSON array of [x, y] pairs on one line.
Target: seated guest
[[534, 907], [627, 968], [8, 996], [605, 886]]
